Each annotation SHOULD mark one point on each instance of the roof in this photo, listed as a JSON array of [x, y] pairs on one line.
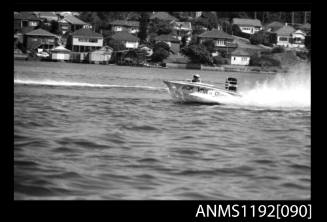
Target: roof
[[73, 20], [40, 32], [166, 38], [61, 49], [125, 36], [240, 52], [25, 16], [125, 23], [87, 32], [305, 26], [285, 30], [163, 16], [216, 34], [47, 14], [274, 26], [251, 22]]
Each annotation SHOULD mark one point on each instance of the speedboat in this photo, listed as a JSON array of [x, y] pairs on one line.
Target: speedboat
[[197, 92]]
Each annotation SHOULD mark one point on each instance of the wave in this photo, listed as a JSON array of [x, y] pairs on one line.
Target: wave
[[284, 91], [80, 84]]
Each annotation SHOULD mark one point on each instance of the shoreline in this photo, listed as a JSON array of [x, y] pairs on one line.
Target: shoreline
[[189, 66]]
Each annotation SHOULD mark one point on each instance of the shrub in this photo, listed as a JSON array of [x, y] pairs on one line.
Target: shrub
[[115, 44], [278, 49], [219, 60], [302, 55], [197, 53], [264, 60]]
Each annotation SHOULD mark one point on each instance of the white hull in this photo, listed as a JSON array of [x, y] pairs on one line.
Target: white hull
[[190, 92]]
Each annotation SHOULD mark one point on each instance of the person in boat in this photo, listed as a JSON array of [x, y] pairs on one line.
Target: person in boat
[[196, 78]]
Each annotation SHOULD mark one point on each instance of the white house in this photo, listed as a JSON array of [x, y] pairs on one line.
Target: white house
[[60, 53], [85, 40], [284, 35], [220, 38], [249, 26], [240, 57], [129, 40], [122, 25], [298, 38]]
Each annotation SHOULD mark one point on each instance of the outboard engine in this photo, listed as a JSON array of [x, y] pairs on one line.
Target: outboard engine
[[231, 84]]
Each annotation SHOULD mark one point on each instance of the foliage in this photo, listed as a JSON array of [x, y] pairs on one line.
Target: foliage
[[264, 60], [207, 19], [307, 43], [278, 49], [197, 53], [42, 25], [54, 27], [237, 31], [263, 37], [159, 54], [107, 33], [69, 41], [144, 23], [210, 45], [183, 41], [302, 55], [219, 60], [115, 44], [160, 27], [163, 45]]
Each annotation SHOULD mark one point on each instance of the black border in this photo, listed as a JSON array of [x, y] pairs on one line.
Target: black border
[[127, 210]]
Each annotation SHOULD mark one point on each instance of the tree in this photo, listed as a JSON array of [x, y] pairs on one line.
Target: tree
[[115, 44], [197, 54], [144, 23], [210, 45], [41, 25], [163, 45], [160, 27], [54, 27], [160, 52]]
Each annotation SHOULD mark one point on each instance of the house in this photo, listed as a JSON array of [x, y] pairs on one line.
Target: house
[[273, 26], [85, 40], [48, 16], [60, 53], [129, 40], [182, 29], [220, 38], [122, 25], [39, 38], [249, 26], [240, 57], [163, 16], [71, 23], [284, 35], [173, 43], [298, 38], [25, 19], [101, 56]]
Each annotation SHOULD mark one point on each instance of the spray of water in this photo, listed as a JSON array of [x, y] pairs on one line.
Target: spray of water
[[77, 84], [287, 90]]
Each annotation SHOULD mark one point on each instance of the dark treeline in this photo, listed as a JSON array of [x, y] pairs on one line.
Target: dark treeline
[[101, 19]]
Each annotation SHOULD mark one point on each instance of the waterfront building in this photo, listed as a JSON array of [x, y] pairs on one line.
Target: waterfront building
[[249, 26], [122, 25], [240, 57]]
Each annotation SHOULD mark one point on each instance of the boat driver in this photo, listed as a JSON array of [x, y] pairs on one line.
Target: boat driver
[[196, 78]]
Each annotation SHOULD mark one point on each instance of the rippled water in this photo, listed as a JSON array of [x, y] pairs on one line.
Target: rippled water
[[107, 132]]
